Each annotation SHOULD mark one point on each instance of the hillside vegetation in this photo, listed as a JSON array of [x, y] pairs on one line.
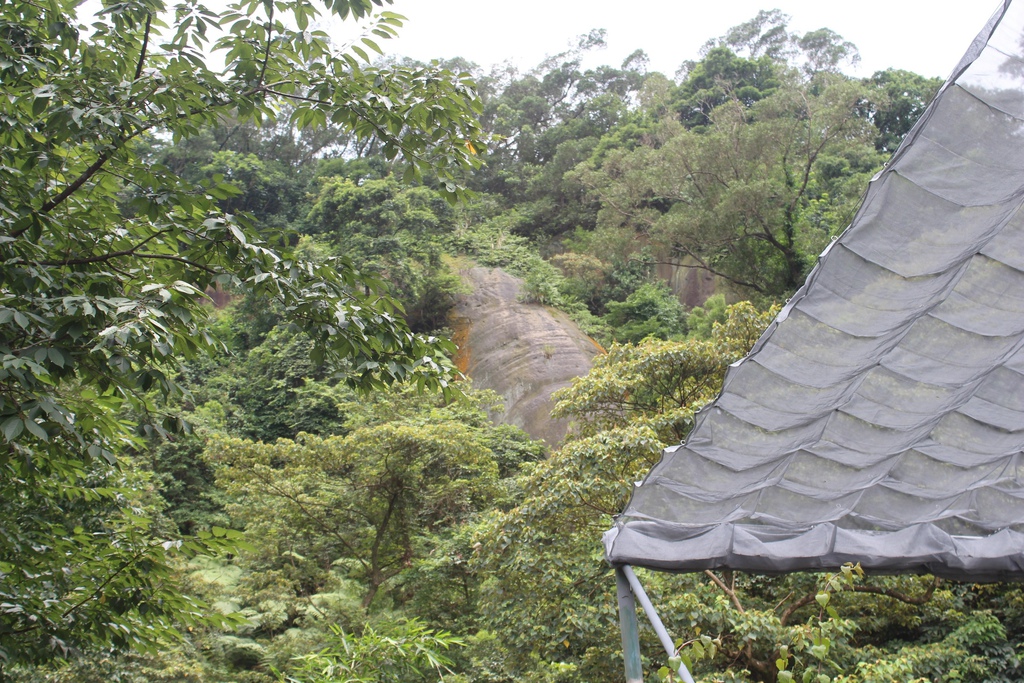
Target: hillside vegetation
[[235, 444]]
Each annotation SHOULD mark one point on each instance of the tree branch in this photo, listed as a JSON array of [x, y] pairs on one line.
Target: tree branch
[[102, 257], [53, 203], [114, 147], [312, 517], [96, 592], [875, 590], [270, 41], [127, 252], [145, 45], [704, 265], [728, 591]]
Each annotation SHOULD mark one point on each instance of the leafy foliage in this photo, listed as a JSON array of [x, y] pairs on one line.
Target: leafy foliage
[[547, 121], [107, 257], [720, 77], [548, 590], [902, 100], [409, 652], [398, 233], [363, 498], [728, 199], [659, 384], [84, 567], [653, 310]]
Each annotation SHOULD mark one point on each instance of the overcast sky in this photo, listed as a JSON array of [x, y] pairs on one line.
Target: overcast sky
[[925, 36]]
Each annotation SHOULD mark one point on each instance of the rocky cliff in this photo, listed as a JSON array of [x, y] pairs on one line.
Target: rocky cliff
[[524, 352]]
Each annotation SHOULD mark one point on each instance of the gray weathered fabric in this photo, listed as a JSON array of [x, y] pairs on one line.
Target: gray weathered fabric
[[880, 419]]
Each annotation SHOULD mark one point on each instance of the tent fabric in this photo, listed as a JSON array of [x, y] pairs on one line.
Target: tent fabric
[[880, 419]]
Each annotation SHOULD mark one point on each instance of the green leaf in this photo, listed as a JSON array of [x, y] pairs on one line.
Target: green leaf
[[372, 45], [36, 430], [12, 427]]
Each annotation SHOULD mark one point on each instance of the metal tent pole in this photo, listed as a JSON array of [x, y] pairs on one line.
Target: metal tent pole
[[630, 629], [659, 628]]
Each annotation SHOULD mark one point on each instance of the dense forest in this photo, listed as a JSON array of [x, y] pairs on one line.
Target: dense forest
[[234, 446]]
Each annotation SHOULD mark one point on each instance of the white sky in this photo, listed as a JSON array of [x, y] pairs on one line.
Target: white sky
[[925, 36]]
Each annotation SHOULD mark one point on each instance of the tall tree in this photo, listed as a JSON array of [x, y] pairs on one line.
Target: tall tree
[[370, 498], [722, 76], [729, 197], [898, 99], [549, 120]]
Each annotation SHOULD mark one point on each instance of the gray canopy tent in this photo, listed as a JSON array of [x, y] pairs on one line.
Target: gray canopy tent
[[880, 418]]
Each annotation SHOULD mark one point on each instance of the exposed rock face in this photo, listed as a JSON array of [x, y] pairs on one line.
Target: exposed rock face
[[524, 352], [693, 286]]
